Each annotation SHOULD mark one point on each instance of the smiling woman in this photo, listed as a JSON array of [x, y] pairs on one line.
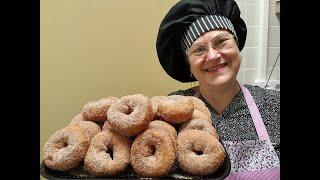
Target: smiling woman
[[211, 35]]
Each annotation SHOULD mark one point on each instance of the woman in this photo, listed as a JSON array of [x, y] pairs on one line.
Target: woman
[[201, 40]]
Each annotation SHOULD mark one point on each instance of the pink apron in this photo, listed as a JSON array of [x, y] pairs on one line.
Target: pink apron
[[252, 159]]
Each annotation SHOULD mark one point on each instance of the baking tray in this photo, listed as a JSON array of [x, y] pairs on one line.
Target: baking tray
[[175, 173]]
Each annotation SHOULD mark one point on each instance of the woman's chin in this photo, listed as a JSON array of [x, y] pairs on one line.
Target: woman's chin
[[219, 81]]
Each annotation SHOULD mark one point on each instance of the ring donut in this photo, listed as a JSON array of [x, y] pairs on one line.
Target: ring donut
[[108, 154], [90, 127], [97, 110], [130, 115], [176, 109], [197, 114], [79, 117], [200, 124], [66, 148], [199, 153], [155, 101], [158, 124], [153, 153]]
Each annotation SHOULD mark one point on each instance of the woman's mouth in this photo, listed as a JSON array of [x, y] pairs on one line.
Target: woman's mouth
[[216, 68]]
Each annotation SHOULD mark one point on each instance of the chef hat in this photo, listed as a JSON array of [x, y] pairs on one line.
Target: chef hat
[[185, 22]]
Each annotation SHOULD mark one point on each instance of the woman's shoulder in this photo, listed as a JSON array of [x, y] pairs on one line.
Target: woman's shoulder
[[266, 93], [185, 92], [265, 98]]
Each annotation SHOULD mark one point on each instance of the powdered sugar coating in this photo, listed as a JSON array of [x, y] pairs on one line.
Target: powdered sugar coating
[[97, 110], [106, 125], [191, 141], [155, 101], [200, 105], [176, 109], [130, 115], [77, 118], [153, 153], [66, 148], [90, 127], [200, 124], [200, 115], [99, 162], [158, 124]]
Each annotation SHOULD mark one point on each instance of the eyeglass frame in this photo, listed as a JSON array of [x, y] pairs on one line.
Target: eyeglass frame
[[222, 40]]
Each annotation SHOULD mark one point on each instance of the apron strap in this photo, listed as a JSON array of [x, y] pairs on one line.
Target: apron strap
[[255, 114]]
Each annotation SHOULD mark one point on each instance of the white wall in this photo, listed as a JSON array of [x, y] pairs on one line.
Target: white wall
[[249, 66], [273, 43]]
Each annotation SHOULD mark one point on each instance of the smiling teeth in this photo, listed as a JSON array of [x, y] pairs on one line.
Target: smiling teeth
[[215, 68]]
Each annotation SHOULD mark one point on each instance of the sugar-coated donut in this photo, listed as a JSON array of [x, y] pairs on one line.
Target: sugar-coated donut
[[97, 110], [176, 109], [197, 114], [158, 124], [66, 148], [155, 101], [108, 154], [106, 125], [200, 105], [130, 115], [200, 124], [77, 118], [153, 153], [90, 127], [199, 153]]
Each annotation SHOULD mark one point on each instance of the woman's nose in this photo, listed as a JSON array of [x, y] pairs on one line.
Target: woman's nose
[[213, 54]]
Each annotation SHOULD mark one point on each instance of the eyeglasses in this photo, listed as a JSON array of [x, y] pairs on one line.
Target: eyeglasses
[[220, 43]]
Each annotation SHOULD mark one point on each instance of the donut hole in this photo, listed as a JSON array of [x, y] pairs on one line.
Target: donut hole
[[152, 150], [198, 148], [198, 152], [128, 109], [50, 158], [62, 144], [110, 152]]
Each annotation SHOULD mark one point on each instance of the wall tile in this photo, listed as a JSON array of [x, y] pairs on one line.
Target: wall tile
[[252, 36], [250, 75], [274, 20], [275, 74], [272, 56], [274, 36], [241, 1], [243, 54], [251, 57], [252, 14], [272, 1], [243, 11]]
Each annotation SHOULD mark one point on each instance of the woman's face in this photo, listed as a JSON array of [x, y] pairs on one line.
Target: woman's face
[[215, 58]]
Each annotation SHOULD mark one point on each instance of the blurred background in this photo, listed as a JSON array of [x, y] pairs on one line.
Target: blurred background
[[97, 48]]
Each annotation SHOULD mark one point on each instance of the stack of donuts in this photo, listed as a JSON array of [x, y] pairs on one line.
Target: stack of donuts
[[112, 133]]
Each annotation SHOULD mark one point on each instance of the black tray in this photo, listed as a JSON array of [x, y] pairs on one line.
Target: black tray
[[176, 173]]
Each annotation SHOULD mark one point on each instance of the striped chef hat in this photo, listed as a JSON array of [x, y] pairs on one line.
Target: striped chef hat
[[185, 22], [203, 25]]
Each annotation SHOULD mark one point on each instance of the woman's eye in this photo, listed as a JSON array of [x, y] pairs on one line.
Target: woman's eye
[[199, 50], [221, 43]]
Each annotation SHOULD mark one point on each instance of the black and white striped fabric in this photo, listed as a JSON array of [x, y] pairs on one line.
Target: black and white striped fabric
[[203, 25]]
